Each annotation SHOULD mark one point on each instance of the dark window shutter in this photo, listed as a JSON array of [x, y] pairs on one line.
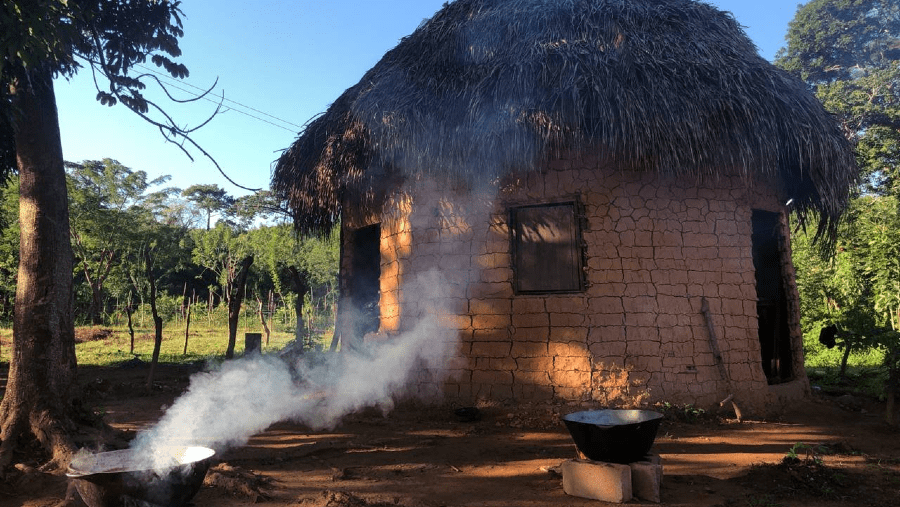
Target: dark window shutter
[[547, 248]]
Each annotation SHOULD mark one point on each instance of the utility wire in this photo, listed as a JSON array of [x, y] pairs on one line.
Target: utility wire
[[176, 84]]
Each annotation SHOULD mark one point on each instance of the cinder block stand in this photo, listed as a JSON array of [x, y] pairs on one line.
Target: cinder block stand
[[612, 482]]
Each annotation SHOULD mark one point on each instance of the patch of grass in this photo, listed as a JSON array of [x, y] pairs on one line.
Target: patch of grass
[[860, 380], [865, 375], [820, 356], [207, 340]]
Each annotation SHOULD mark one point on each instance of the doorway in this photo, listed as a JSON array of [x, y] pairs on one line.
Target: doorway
[[364, 282], [771, 303]]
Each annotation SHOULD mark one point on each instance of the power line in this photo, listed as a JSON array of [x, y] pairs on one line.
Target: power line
[[175, 84]]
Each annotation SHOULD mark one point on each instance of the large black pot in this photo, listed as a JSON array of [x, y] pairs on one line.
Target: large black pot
[[613, 436], [118, 478]]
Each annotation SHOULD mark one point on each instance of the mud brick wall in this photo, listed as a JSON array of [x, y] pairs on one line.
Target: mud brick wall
[[654, 247]]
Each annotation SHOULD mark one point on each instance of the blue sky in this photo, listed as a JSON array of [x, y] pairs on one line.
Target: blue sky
[[287, 60]]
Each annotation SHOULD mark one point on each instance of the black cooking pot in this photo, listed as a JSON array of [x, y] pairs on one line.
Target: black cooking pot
[[613, 436], [168, 478]]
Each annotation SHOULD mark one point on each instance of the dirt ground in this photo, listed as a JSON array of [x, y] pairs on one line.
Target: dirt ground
[[429, 457]]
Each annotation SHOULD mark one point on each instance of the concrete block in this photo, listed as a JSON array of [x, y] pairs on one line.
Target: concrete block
[[608, 482], [646, 478]]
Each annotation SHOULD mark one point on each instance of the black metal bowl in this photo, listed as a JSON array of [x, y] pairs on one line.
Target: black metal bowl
[[169, 478], [613, 436]]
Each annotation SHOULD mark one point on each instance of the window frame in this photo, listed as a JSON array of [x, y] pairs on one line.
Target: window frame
[[578, 244]]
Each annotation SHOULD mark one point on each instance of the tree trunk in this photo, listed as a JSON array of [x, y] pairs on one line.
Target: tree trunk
[[300, 284], [157, 320], [94, 282], [234, 303], [186, 312], [40, 390], [262, 318], [94, 310], [847, 348], [339, 317], [300, 333], [271, 308], [187, 328], [129, 310]]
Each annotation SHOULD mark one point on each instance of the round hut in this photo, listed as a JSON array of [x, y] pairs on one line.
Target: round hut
[[604, 188]]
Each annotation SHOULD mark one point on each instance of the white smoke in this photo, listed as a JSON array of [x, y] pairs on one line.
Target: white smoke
[[224, 408]]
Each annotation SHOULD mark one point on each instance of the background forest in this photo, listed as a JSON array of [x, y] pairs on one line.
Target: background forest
[[199, 248], [848, 51]]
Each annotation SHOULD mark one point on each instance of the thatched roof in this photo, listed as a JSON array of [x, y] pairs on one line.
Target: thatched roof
[[490, 86]]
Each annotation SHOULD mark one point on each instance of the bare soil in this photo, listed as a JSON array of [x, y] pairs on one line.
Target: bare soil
[[429, 457]]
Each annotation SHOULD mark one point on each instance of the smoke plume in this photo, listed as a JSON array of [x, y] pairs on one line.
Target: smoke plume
[[225, 407]]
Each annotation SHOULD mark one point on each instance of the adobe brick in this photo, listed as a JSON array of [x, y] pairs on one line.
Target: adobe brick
[[492, 377], [637, 276], [566, 349], [567, 319], [640, 319], [650, 364], [639, 289], [501, 364], [641, 304], [608, 349], [534, 377], [671, 239], [607, 289], [491, 349], [599, 334], [606, 276], [531, 334], [730, 291], [490, 335], [568, 334], [572, 363], [674, 305], [455, 321], [565, 304], [733, 306], [496, 275], [726, 227], [539, 364], [571, 379], [494, 306], [529, 349], [528, 304], [490, 321], [491, 260], [605, 305], [530, 320], [490, 290]]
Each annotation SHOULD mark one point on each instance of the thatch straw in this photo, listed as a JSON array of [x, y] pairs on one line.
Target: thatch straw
[[490, 86]]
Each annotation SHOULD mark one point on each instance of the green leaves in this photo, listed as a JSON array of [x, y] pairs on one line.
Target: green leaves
[[110, 36], [849, 50], [175, 69], [879, 247], [106, 99], [38, 32], [210, 198]]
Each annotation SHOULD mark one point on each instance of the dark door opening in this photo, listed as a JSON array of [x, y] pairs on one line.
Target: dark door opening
[[364, 282], [771, 302]]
